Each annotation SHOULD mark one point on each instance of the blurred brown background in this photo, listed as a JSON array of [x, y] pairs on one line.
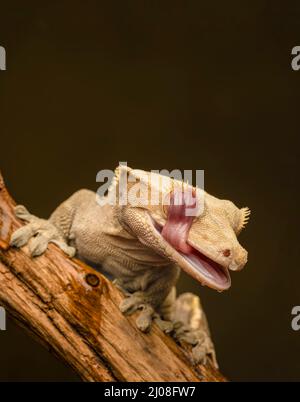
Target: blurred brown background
[[165, 84]]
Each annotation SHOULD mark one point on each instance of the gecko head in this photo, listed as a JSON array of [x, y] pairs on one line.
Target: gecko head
[[185, 225]]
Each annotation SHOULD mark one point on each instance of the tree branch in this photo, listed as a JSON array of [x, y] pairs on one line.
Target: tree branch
[[73, 311]]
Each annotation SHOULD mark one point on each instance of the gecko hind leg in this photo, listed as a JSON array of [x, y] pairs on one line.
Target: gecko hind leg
[[190, 326]]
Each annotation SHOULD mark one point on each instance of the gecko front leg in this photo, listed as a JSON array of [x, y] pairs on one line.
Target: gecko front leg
[[154, 288], [38, 233], [139, 301]]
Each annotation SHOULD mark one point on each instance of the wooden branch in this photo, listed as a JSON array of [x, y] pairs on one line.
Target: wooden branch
[[73, 311]]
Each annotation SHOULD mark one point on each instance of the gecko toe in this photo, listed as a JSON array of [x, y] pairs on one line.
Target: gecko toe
[[144, 319], [202, 351], [22, 213], [38, 245], [69, 250], [165, 326], [132, 303], [21, 236], [128, 306]]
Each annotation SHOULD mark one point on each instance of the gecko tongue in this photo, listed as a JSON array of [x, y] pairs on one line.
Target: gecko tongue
[[177, 227]]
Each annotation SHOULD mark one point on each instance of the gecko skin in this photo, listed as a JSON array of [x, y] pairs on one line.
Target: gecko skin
[[144, 247]]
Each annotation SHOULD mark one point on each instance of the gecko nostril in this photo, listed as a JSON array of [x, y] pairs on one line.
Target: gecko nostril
[[226, 252]]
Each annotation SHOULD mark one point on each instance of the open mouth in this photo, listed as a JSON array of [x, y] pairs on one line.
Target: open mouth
[[191, 259], [201, 267], [215, 274]]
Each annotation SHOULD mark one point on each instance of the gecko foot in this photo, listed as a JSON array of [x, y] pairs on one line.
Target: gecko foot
[[138, 301], [203, 349], [38, 233], [191, 327], [199, 339], [134, 302]]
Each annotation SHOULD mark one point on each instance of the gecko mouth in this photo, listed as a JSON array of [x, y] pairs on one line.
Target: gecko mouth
[[191, 259]]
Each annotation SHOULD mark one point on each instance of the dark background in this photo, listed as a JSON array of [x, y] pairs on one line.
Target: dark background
[[165, 84]]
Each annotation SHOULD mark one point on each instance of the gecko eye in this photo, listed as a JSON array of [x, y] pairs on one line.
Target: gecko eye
[[226, 252]]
